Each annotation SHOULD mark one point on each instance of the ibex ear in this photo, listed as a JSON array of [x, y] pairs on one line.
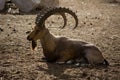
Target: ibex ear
[[34, 44]]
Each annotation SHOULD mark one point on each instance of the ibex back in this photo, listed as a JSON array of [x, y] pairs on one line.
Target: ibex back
[[62, 49]]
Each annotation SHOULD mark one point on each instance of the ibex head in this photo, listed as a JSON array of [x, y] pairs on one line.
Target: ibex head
[[37, 33], [39, 29]]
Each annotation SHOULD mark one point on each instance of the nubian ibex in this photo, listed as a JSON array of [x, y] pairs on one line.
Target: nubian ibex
[[62, 49]]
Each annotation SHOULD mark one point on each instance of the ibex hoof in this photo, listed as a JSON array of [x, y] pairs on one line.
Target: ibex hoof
[[81, 65], [70, 62], [43, 59], [60, 62]]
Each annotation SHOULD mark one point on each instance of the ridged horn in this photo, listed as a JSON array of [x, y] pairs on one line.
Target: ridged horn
[[47, 12]]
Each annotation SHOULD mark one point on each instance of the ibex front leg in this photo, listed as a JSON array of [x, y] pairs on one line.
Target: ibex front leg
[[64, 57]]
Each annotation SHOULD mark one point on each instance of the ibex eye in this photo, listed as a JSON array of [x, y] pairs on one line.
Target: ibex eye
[[28, 32]]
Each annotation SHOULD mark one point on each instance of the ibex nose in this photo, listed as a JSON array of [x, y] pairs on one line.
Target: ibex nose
[[28, 38]]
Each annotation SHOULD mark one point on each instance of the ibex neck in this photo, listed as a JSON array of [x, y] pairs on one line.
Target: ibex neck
[[48, 41]]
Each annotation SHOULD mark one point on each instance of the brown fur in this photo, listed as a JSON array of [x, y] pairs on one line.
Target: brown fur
[[62, 49]]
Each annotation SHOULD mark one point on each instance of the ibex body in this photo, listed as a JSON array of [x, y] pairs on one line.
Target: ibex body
[[62, 49]]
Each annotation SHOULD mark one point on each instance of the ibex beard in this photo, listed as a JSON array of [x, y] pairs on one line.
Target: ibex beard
[[62, 49]]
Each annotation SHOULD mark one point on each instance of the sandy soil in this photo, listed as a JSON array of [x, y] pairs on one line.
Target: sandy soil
[[99, 23]]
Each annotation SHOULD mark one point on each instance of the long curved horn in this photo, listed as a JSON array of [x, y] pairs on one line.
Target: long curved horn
[[64, 18], [45, 13]]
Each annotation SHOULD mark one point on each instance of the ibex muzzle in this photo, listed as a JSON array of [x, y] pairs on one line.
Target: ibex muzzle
[[32, 35], [62, 49]]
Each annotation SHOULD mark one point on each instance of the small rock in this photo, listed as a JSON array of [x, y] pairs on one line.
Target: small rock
[[95, 17], [84, 74], [92, 33], [86, 17], [106, 70], [88, 78], [1, 29], [9, 10], [8, 35], [114, 37], [14, 30], [91, 24], [8, 20], [84, 22], [59, 17], [10, 27], [52, 22], [29, 23], [77, 65]]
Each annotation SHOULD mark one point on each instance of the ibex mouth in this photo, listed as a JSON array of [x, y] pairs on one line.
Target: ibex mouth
[[28, 38]]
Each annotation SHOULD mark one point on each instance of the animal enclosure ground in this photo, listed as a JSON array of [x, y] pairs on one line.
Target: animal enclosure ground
[[99, 23]]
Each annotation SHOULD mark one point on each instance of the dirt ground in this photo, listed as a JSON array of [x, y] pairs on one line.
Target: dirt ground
[[99, 23]]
